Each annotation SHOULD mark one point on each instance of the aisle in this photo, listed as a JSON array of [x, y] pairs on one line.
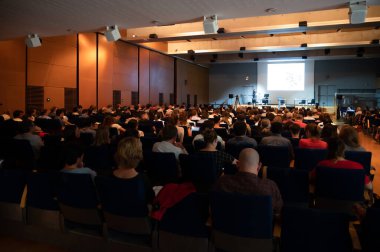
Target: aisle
[[371, 145]]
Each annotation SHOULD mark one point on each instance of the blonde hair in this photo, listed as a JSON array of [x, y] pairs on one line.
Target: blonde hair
[[129, 152], [102, 136]]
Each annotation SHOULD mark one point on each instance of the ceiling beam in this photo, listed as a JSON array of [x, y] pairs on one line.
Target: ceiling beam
[[278, 43], [271, 24]]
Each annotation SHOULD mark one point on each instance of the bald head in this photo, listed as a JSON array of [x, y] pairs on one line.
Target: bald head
[[249, 160]]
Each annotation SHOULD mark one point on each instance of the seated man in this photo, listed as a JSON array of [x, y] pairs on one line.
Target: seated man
[[240, 139], [168, 143], [276, 139], [312, 141], [246, 181], [73, 160]]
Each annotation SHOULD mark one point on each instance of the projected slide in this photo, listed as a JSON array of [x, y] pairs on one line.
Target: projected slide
[[286, 76]]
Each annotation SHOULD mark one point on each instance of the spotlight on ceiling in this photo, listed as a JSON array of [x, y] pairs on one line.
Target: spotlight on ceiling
[[33, 41], [112, 33]]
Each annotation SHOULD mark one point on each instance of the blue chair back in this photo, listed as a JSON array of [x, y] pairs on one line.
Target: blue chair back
[[274, 155], [12, 183], [42, 190], [339, 184], [307, 159], [313, 230], [362, 157], [122, 197], [188, 217], [77, 190], [242, 215], [162, 167], [293, 184]]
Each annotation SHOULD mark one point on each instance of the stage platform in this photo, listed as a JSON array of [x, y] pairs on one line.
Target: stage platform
[[276, 106]]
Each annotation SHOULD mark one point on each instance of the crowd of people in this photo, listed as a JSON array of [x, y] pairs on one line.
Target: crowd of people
[[229, 136]]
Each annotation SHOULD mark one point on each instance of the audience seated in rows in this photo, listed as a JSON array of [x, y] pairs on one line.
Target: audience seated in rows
[[247, 182]]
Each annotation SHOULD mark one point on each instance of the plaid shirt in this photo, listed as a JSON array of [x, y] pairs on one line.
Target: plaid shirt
[[249, 183]]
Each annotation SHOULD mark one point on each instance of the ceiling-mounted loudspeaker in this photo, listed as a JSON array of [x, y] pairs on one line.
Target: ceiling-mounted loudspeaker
[[33, 41], [358, 11], [112, 33], [210, 24]]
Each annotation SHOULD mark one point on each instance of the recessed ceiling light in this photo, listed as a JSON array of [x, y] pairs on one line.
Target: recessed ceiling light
[[271, 10]]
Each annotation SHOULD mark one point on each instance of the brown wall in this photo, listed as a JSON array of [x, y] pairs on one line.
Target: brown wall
[[193, 80], [87, 69], [12, 75], [161, 69], [125, 74], [121, 66], [53, 66], [144, 92]]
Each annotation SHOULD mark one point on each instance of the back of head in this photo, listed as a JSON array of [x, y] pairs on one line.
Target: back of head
[[276, 128], [249, 160], [349, 135], [18, 113], [102, 136], [169, 132], [71, 153], [335, 148], [129, 152], [295, 128], [240, 128], [312, 130], [26, 126], [209, 136], [208, 124], [329, 131], [216, 119]]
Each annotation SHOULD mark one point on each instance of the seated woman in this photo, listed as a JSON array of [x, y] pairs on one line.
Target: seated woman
[[312, 141], [222, 158], [328, 132], [128, 156], [349, 136], [335, 159], [73, 160]]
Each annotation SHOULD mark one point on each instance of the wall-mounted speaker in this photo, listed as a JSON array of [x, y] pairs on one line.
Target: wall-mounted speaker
[[112, 33], [33, 41], [358, 12], [210, 24]]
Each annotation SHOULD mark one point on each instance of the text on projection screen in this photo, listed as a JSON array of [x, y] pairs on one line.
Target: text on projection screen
[[287, 76]]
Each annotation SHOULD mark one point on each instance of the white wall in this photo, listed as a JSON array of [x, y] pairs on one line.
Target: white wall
[[289, 96]]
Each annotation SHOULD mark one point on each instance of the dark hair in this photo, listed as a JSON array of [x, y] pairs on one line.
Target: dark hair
[[71, 153], [17, 113], [313, 130], [69, 133], [276, 128], [328, 131], [216, 119], [335, 148], [208, 124], [240, 128], [349, 135], [295, 128], [209, 136], [26, 125], [168, 132]]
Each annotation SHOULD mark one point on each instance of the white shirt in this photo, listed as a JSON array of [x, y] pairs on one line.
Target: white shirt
[[165, 146]]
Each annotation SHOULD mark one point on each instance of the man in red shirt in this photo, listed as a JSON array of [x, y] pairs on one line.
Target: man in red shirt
[[312, 141]]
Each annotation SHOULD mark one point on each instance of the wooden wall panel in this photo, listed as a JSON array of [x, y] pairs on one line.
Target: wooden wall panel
[[161, 69], [12, 75], [193, 80], [105, 71], [125, 73], [87, 69], [56, 95], [144, 77]]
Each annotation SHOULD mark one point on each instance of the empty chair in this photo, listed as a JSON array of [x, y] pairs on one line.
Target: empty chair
[[12, 184], [201, 169], [125, 206], [312, 230], [78, 202], [362, 157], [222, 132], [183, 226], [99, 158], [274, 155], [162, 167], [241, 222], [370, 226], [235, 149], [148, 142], [307, 159], [41, 202], [293, 184], [338, 189]]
